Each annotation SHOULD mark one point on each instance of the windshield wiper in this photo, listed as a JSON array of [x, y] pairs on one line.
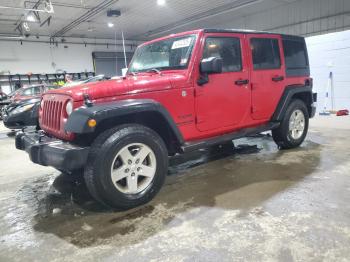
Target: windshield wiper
[[132, 73], [154, 70]]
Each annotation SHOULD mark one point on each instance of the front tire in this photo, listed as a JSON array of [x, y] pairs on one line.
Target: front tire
[[294, 126], [127, 166]]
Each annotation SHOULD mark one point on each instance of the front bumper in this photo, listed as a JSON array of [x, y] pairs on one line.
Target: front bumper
[[47, 151], [18, 121]]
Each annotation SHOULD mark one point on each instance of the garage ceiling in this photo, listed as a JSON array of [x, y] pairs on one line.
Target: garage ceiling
[[139, 20], [145, 19]]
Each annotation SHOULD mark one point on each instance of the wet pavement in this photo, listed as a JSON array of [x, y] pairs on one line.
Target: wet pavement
[[248, 202]]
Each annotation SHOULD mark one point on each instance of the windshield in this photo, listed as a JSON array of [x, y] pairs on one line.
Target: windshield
[[169, 54], [31, 91]]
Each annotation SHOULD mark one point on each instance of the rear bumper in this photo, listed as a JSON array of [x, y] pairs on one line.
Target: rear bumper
[[313, 105], [313, 111], [47, 151]]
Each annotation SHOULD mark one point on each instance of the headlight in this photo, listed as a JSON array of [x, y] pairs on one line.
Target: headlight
[[21, 109], [69, 108]]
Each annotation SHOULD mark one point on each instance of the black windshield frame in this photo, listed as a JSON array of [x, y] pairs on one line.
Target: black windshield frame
[[188, 57]]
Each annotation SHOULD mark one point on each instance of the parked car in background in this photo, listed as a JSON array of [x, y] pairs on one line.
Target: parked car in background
[[3, 97], [21, 114], [32, 91], [21, 110]]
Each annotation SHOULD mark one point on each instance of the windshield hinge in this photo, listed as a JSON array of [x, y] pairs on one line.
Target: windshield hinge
[[87, 100]]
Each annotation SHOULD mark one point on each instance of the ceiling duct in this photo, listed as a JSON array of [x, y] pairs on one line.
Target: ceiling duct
[[85, 17], [48, 8], [10, 36]]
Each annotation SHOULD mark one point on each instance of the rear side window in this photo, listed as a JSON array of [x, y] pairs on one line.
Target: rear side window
[[295, 54], [265, 52], [226, 48]]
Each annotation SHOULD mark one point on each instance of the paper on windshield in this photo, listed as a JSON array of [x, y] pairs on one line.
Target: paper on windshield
[[181, 43]]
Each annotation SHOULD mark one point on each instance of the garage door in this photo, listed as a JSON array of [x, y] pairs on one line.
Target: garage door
[[110, 63]]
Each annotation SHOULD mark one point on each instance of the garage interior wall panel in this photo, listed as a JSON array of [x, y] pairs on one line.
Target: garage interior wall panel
[[46, 58], [331, 53], [110, 63]]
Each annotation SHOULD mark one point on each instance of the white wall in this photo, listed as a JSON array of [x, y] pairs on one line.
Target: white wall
[[46, 58], [331, 53]]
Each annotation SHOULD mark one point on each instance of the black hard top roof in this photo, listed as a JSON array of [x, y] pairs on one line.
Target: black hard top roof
[[246, 31]]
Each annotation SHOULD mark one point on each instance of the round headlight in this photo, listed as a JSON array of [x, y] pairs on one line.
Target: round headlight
[[69, 108]]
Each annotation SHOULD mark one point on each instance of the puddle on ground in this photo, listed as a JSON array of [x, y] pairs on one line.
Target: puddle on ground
[[222, 176]]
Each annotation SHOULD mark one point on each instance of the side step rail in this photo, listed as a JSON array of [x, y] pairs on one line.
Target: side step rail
[[204, 143]]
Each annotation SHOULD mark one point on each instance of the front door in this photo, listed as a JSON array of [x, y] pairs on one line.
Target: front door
[[226, 99], [267, 75]]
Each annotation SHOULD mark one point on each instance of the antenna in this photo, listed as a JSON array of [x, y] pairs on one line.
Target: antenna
[[116, 52], [126, 64]]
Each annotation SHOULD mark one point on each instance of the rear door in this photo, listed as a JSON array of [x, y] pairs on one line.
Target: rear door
[[267, 74], [225, 100]]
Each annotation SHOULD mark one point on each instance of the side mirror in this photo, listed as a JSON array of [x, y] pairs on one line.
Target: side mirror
[[211, 65]]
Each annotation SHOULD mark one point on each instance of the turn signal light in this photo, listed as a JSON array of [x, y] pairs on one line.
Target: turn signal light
[[92, 123]]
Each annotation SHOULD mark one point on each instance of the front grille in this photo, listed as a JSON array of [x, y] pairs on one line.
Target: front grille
[[52, 117], [52, 112]]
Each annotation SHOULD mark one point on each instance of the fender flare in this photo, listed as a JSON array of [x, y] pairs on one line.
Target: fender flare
[[287, 96], [77, 121]]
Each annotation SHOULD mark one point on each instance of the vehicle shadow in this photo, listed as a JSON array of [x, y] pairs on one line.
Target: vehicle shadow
[[240, 179]]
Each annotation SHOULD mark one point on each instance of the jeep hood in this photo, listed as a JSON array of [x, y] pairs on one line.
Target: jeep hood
[[124, 86]]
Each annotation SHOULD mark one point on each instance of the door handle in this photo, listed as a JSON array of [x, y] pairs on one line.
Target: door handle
[[241, 82], [277, 78]]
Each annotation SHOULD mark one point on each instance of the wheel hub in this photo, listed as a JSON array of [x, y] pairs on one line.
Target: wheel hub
[[133, 168], [296, 124]]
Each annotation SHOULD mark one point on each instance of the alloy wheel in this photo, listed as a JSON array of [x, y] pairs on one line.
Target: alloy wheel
[[133, 168]]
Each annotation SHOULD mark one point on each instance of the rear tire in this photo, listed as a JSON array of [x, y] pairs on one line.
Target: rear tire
[[294, 126], [126, 167]]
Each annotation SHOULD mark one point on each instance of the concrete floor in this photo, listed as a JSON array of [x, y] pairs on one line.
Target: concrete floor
[[249, 204]]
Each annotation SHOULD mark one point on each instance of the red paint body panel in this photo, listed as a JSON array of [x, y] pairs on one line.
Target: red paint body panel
[[265, 92], [221, 103], [215, 108]]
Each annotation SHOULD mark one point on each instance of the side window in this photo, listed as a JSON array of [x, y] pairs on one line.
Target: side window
[[295, 54], [37, 90], [226, 48], [50, 88], [265, 52], [28, 92]]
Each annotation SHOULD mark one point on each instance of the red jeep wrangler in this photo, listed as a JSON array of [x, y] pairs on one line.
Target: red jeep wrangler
[[182, 92]]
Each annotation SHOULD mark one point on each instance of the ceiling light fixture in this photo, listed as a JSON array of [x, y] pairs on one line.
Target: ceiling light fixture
[[161, 2], [110, 25], [26, 26], [30, 18]]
